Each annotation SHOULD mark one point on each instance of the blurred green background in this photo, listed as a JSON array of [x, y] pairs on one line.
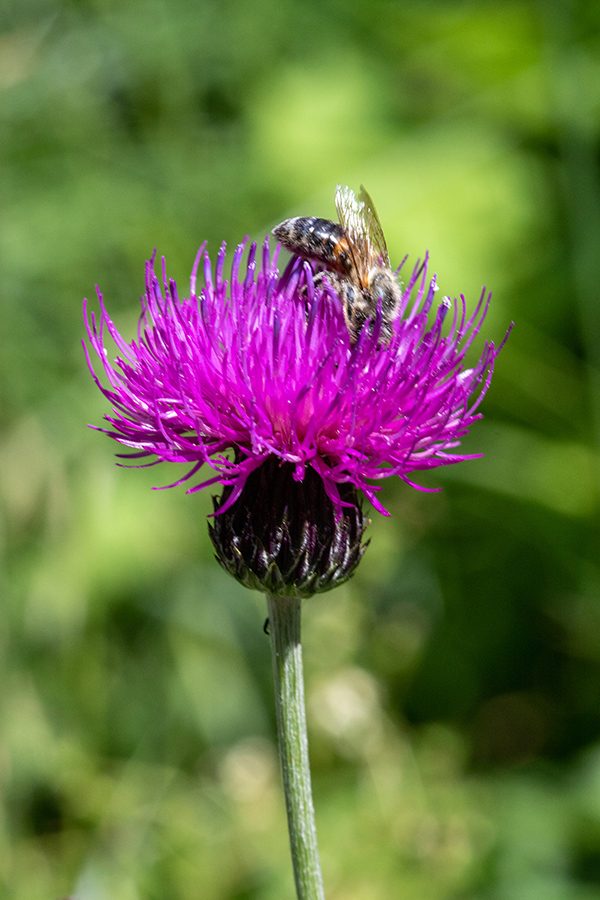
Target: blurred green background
[[454, 684]]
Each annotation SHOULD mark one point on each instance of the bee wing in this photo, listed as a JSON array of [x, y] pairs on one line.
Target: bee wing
[[373, 225], [354, 219]]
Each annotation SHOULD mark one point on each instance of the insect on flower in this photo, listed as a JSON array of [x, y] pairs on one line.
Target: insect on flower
[[355, 256], [253, 371]]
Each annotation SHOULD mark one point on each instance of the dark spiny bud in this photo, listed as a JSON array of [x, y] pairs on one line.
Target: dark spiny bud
[[285, 537]]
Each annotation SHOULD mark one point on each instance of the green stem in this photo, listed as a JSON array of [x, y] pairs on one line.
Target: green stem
[[284, 624]]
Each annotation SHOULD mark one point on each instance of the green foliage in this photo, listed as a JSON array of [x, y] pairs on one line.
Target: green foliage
[[454, 684]]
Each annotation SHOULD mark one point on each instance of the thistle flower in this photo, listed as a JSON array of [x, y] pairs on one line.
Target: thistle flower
[[263, 366], [259, 378]]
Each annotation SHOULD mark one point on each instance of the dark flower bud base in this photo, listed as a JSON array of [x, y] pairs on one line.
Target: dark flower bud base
[[285, 537]]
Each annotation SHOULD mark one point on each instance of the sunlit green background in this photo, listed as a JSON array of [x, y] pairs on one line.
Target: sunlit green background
[[454, 684]]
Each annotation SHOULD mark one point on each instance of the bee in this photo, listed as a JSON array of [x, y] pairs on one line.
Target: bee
[[355, 256]]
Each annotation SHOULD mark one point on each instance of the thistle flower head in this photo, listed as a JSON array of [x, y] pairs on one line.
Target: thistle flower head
[[261, 367]]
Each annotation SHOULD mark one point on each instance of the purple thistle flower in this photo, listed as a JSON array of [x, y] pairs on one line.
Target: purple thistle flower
[[263, 366]]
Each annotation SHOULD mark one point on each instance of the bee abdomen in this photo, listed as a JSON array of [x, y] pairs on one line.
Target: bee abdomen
[[319, 239]]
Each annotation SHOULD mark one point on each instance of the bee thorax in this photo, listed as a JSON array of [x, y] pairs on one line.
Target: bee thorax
[[383, 286]]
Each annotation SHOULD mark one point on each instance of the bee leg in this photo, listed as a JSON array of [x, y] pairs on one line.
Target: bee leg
[[330, 279], [322, 277]]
